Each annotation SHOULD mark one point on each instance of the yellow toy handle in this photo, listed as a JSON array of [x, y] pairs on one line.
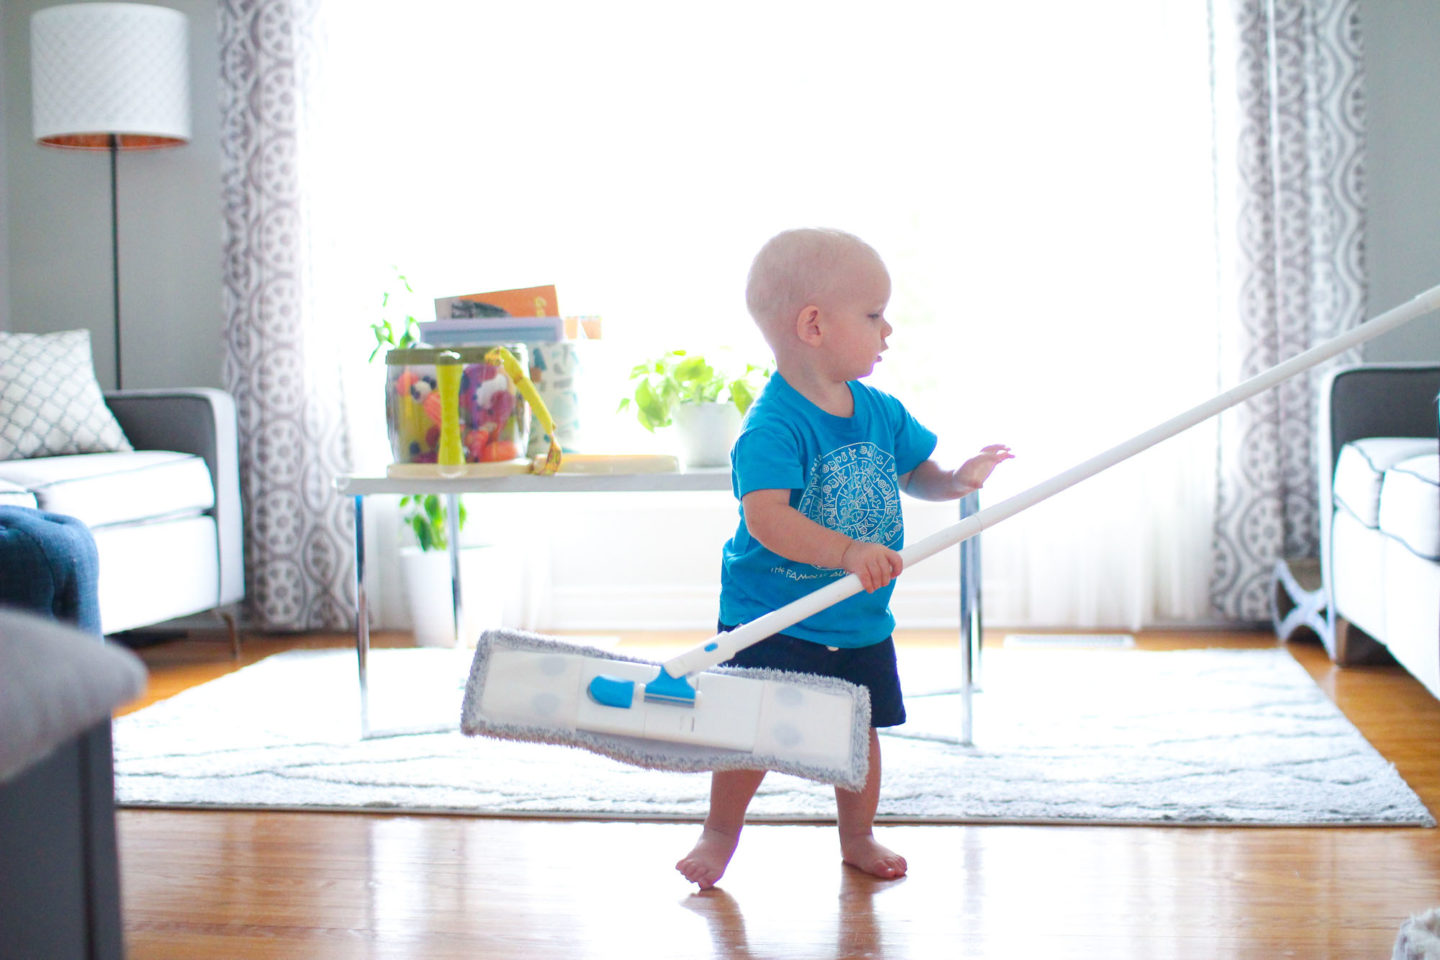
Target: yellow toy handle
[[500, 357], [450, 457]]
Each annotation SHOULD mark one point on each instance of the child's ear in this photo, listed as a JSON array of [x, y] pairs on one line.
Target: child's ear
[[807, 325]]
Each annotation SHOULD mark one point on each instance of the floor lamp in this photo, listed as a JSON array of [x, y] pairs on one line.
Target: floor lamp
[[110, 76]]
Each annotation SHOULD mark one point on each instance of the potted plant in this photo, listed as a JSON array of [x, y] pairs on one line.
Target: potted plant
[[486, 578], [704, 401]]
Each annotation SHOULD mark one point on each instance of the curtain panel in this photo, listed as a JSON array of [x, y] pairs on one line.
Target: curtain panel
[[1298, 275], [279, 363]]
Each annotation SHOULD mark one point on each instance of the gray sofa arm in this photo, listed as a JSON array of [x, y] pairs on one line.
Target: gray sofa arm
[[200, 421], [60, 886], [1355, 402]]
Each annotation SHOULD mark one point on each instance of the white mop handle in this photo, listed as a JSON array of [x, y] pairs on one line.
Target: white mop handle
[[725, 645]]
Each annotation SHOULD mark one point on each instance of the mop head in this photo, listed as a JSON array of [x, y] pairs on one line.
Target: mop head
[[527, 687]]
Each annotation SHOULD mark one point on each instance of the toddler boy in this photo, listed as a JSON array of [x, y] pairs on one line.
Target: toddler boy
[[818, 469]]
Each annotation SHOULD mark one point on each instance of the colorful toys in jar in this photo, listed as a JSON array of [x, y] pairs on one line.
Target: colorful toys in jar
[[494, 418]]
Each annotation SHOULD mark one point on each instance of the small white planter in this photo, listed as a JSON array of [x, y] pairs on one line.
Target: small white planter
[[706, 431], [485, 584]]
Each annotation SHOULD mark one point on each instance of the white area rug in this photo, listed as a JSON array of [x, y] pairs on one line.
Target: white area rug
[[1093, 736]]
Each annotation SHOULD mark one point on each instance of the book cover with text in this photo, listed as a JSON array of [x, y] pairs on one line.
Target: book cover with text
[[521, 302]]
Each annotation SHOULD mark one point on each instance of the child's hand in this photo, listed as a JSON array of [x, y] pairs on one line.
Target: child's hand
[[876, 565], [973, 473]]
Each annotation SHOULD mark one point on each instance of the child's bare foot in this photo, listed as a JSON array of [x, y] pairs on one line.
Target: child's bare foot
[[707, 861], [864, 853]]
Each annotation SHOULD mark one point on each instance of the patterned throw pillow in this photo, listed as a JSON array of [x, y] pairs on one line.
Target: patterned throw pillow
[[50, 401]]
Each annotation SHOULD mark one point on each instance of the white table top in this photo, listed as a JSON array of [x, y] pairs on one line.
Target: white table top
[[717, 478]]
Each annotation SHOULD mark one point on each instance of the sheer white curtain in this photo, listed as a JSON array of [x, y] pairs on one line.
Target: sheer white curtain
[[1038, 177]]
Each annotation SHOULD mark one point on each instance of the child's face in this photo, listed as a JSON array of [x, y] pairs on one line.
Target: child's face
[[854, 322]]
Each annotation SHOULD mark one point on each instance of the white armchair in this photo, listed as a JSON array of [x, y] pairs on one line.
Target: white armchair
[[166, 517], [1380, 515]]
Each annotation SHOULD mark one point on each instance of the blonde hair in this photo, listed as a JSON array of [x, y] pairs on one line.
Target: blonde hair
[[797, 268]]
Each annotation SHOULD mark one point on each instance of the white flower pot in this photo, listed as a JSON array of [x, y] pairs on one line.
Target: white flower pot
[[485, 581], [707, 431]]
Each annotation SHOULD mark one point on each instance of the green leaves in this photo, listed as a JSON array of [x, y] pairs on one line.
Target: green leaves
[[386, 339], [426, 516], [740, 393], [698, 381], [681, 377], [745, 388], [654, 400], [386, 335]]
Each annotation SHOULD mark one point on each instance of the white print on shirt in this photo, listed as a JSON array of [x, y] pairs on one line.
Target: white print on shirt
[[853, 489], [815, 573]]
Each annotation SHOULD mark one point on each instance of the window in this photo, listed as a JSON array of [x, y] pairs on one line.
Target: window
[[1037, 176]]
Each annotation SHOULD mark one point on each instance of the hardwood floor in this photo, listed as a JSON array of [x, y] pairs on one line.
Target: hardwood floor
[[320, 886]]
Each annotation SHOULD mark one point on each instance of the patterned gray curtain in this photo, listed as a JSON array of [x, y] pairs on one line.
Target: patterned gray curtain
[[278, 364], [1300, 279]]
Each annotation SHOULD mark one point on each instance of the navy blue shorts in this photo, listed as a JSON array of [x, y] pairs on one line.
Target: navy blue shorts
[[871, 667]]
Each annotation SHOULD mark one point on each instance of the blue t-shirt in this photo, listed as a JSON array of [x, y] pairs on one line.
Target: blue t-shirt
[[843, 473]]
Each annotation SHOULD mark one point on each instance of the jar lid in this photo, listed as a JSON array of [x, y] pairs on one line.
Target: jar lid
[[426, 356]]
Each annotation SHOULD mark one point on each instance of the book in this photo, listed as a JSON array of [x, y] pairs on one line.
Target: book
[[523, 315], [521, 302], [456, 332]]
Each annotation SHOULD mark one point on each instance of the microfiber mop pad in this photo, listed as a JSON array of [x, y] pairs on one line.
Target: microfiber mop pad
[[537, 696]]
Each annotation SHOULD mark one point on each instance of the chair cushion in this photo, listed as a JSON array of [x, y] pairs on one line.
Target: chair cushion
[[1360, 470], [50, 402], [106, 488], [1410, 504], [14, 495], [141, 581]]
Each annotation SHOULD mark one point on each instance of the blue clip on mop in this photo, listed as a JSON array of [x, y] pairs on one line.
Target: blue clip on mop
[[687, 715]]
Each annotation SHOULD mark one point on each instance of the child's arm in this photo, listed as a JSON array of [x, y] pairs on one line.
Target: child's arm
[[930, 481], [782, 529]]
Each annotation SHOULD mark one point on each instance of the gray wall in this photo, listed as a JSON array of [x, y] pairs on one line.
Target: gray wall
[[1402, 75], [55, 255], [57, 218]]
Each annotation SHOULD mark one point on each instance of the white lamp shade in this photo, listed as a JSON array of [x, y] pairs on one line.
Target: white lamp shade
[[99, 70]]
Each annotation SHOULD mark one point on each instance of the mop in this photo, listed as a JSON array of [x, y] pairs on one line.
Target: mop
[[689, 714]]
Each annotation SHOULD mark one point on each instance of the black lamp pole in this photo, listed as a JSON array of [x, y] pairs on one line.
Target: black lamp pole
[[115, 251]]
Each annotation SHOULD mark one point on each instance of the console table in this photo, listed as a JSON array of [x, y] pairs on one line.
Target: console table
[[360, 487]]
